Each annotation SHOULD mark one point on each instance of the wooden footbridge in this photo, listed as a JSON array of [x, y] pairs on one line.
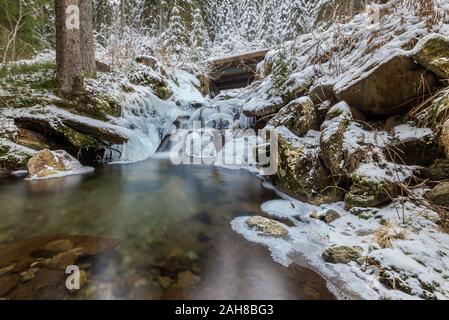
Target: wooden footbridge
[[232, 72]]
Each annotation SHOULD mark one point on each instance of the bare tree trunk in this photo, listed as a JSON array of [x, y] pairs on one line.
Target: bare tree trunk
[[87, 39], [75, 52], [68, 54]]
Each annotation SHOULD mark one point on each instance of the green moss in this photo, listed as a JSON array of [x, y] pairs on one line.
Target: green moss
[[19, 101], [94, 106], [77, 139], [162, 92], [47, 84], [15, 69]]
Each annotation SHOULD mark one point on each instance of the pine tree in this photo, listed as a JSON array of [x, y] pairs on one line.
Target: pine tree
[[283, 21], [302, 14], [199, 36], [226, 36], [267, 25], [174, 39], [250, 18]]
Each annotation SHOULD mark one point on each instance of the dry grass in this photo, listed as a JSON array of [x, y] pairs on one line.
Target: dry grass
[[385, 235], [433, 111], [427, 10]]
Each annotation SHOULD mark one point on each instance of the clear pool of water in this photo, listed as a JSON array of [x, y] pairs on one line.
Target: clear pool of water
[[173, 223]]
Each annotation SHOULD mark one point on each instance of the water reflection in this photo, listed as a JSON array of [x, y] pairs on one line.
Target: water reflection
[[173, 224]]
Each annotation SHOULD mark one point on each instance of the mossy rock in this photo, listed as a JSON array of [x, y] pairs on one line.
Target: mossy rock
[[298, 116], [301, 173], [439, 170], [77, 139], [163, 92], [19, 101], [439, 195], [159, 85], [333, 131], [368, 193], [92, 105], [31, 139], [342, 254], [432, 52], [13, 160]]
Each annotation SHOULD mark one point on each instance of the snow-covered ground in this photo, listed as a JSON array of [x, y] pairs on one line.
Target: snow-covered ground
[[418, 254]]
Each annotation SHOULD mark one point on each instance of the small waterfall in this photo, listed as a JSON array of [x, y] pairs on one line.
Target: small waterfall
[[208, 129], [147, 121]]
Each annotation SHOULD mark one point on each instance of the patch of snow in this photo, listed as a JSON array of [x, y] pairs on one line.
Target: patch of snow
[[407, 131]]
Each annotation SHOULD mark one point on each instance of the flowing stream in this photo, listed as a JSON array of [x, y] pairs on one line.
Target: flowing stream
[[173, 223]]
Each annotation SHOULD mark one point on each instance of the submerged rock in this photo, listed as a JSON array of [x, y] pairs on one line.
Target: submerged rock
[[267, 226], [186, 279], [342, 254], [439, 194], [23, 275], [298, 116], [391, 87], [53, 248], [8, 283], [432, 52]]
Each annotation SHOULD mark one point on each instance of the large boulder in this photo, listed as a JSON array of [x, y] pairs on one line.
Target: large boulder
[[45, 163], [81, 136], [298, 116], [262, 107], [432, 52], [264, 101], [388, 88], [439, 195], [343, 142], [301, 172]]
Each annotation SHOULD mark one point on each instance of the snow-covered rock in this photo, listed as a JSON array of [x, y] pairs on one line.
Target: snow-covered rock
[[300, 172], [298, 116], [47, 164], [387, 88], [432, 52]]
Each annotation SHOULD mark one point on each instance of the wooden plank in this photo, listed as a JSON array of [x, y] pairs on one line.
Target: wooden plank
[[257, 56]]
